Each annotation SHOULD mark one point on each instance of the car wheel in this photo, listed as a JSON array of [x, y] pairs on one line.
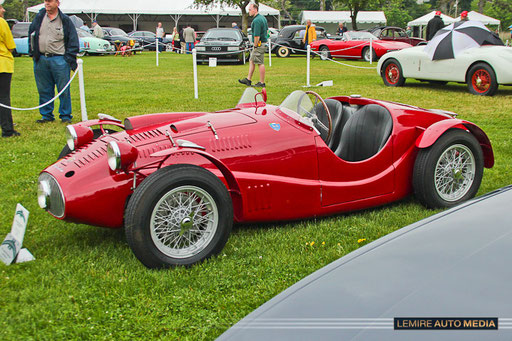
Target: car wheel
[[366, 54], [97, 133], [391, 73], [481, 80], [324, 52], [283, 52], [450, 171], [179, 215]]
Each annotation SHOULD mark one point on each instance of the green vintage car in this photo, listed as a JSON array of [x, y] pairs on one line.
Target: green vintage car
[[89, 44]]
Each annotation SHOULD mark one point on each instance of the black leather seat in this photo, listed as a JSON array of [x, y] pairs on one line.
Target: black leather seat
[[339, 114], [365, 133]]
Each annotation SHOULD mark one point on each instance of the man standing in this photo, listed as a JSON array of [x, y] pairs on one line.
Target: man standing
[[53, 42], [341, 29], [259, 28], [97, 30], [310, 34], [190, 38], [434, 25]]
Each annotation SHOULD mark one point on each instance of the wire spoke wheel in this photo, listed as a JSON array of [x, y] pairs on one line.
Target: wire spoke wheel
[[184, 221], [392, 73], [481, 81]]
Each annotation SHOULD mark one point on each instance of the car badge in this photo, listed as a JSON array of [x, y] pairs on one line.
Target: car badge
[[275, 126]]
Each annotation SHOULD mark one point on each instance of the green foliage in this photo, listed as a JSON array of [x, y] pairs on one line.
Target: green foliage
[[396, 14], [499, 9], [15, 9], [85, 283]]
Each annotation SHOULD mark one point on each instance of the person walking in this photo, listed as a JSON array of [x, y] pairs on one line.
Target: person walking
[[190, 38], [259, 28], [160, 33], [310, 34], [7, 45], [434, 25], [97, 30], [54, 44]]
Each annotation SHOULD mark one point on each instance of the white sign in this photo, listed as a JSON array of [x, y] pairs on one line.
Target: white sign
[[325, 83], [12, 243], [212, 62]]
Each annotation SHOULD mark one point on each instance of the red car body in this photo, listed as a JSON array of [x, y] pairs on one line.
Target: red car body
[[356, 45], [273, 165], [391, 33]]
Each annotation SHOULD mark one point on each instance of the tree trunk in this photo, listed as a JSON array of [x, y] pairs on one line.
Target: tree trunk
[[245, 15], [285, 11], [322, 5], [353, 15]]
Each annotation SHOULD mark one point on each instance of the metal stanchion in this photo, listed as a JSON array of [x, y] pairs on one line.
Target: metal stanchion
[[81, 87], [157, 50], [308, 62], [371, 51], [269, 53], [194, 58]]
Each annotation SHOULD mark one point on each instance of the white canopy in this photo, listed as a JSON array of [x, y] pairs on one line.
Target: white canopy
[[484, 19], [423, 21], [363, 17], [154, 7]]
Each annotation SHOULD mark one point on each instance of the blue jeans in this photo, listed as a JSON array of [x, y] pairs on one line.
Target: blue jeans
[[190, 47], [50, 72]]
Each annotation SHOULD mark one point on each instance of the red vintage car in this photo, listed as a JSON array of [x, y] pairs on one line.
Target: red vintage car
[[391, 33], [178, 181], [356, 45]]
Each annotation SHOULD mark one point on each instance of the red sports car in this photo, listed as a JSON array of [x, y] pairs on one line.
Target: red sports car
[[356, 44], [178, 181]]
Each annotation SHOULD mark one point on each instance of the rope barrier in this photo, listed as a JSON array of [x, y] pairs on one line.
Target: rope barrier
[[296, 49], [335, 61]]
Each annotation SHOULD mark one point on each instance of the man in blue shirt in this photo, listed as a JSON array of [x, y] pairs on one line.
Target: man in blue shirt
[[259, 27]]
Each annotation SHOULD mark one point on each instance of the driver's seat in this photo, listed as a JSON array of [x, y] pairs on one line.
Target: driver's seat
[[338, 121]]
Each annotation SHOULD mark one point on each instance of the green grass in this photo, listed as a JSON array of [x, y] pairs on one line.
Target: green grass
[[86, 283]]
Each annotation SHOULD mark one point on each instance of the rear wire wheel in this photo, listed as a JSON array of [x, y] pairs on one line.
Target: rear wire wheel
[[481, 80]]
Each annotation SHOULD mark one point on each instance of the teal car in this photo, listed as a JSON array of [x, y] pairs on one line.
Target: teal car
[[89, 44]]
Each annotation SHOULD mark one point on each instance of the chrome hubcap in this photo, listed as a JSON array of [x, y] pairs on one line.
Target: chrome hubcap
[[455, 172], [184, 221]]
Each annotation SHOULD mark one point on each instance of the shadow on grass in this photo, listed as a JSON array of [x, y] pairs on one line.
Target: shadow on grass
[[455, 87]]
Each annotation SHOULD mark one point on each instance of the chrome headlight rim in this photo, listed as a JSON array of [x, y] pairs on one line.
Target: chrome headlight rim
[[71, 137], [113, 156], [53, 196], [43, 194]]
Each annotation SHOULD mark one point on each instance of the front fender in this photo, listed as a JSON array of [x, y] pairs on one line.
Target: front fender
[[434, 132]]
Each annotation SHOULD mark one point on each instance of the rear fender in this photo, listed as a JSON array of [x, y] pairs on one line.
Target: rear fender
[[434, 132], [233, 186]]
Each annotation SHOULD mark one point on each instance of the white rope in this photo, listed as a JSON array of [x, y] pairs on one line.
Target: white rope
[[50, 101], [335, 61], [295, 49]]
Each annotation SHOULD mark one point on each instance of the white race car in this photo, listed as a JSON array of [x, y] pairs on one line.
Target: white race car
[[481, 68]]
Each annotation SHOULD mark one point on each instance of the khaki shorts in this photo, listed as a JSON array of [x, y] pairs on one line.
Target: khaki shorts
[[258, 55]]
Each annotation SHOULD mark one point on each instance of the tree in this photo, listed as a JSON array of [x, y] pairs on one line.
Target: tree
[[242, 4], [396, 14], [16, 9]]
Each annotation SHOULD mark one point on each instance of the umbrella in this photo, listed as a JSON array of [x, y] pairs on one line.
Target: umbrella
[[457, 37]]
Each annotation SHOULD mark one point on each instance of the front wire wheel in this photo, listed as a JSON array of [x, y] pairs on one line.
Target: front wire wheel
[[391, 73], [450, 171]]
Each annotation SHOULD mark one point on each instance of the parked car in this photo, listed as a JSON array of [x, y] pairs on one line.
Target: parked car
[[290, 38], [178, 181], [11, 22], [453, 265], [20, 29], [356, 45], [148, 40], [116, 35], [481, 68], [225, 44], [392, 33], [89, 44], [273, 33]]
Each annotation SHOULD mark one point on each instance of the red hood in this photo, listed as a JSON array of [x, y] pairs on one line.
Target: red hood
[[392, 45]]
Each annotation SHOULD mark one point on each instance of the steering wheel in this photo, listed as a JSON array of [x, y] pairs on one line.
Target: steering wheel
[[314, 117]]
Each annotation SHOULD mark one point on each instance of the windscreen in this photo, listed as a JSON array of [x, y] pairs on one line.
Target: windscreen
[[248, 96], [360, 35], [228, 35]]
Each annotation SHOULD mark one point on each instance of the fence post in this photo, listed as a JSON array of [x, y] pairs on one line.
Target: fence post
[[156, 51], [269, 53], [371, 51], [308, 62], [83, 108], [194, 58]]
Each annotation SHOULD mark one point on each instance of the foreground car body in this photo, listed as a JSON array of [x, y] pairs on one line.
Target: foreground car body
[[482, 68], [356, 45], [177, 181], [453, 264]]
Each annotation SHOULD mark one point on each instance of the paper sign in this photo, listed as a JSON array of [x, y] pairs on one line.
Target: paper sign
[[19, 223], [212, 62], [13, 241], [24, 256], [9, 249], [325, 83]]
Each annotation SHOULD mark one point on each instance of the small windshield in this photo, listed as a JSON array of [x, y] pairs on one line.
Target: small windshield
[[299, 102], [248, 96], [359, 35]]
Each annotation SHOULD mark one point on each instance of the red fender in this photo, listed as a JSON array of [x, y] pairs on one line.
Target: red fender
[[434, 132]]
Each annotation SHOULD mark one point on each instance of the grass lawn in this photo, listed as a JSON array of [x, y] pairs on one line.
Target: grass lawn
[[87, 284]]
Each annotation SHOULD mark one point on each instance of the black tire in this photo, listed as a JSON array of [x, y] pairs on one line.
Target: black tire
[[158, 192], [481, 80], [97, 133], [324, 51], [366, 55], [432, 166], [391, 73], [283, 51]]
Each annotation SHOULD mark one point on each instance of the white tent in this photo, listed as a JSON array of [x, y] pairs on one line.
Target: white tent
[[135, 8], [330, 19], [422, 22], [484, 19]]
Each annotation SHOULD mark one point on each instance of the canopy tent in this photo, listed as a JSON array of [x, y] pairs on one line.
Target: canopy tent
[[484, 19], [330, 19], [134, 9], [422, 22]]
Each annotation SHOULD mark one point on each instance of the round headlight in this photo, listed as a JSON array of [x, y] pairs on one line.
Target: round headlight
[[77, 136], [43, 193], [121, 155], [71, 137]]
